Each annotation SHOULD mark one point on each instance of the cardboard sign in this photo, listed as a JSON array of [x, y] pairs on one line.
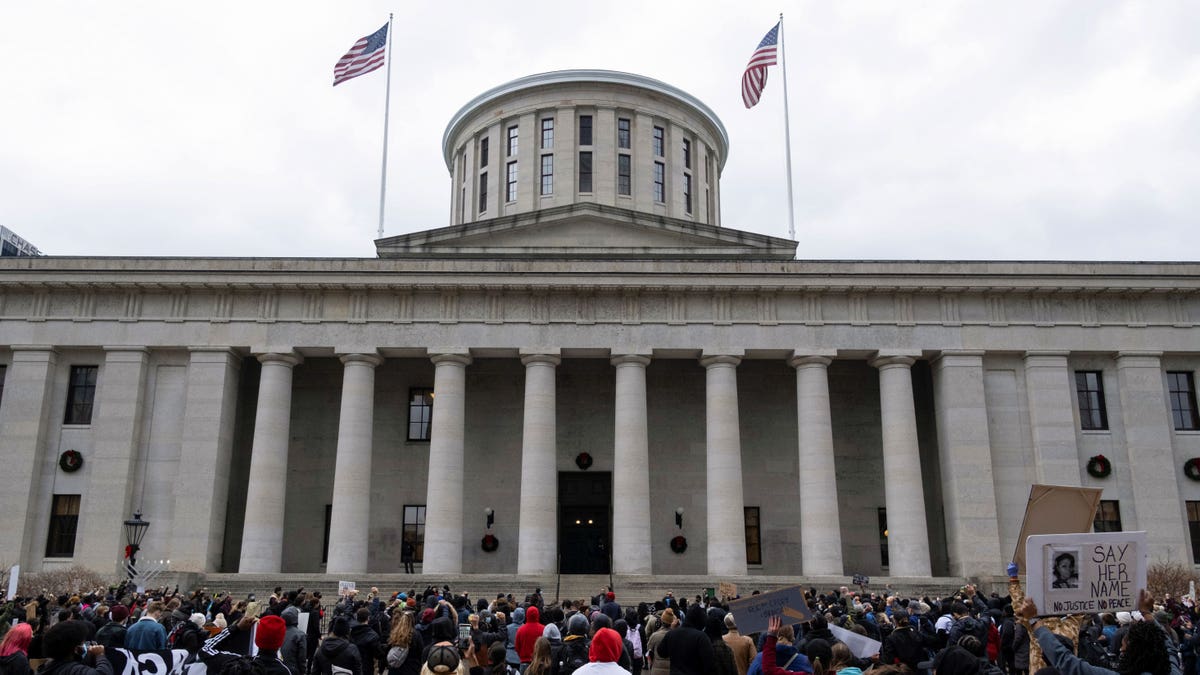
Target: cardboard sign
[[1085, 573], [1056, 509], [727, 589], [861, 580], [861, 646], [302, 622], [13, 574], [753, 612], [344, 588]]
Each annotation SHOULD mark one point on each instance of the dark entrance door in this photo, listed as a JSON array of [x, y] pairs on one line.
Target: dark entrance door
[[584, 522]]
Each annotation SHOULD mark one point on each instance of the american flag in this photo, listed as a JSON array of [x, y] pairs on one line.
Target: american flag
[[366, 55], [755, 77]]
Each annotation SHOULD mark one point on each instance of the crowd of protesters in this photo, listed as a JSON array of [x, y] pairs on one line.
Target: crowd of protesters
[[437, 631]]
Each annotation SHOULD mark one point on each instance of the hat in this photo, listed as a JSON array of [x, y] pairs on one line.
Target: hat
[[197, 619], [442, 659], [403, 596], [610, 596], [1124, 618], [551, 632], [269, 633], [119, 613], [220, 622]]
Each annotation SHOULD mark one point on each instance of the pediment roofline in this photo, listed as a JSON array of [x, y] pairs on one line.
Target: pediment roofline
[[634, 235]]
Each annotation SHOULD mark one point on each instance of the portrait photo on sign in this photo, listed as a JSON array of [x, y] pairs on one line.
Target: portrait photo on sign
[[1063, 568]]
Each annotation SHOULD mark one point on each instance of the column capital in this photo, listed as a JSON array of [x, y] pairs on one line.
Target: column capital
[[883, 362], [534, 359], [34, 354], [454, 358], [284, 359], [630, 360], [720, 360], [809, 361], [363, 358]]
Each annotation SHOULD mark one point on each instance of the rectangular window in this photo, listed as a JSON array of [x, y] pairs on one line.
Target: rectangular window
[[547, 133], [3, 372], [483, 153], [1193, 516], [585, 130], [328, 525], [753, 534], [483, 192], [883, 537], [624, 177], [1108, 516], [1089, 389], [623, 140], [660, 193], [420, 412], [1182, 390], [687, 154], [585, 172], [81, 392], [64, 518], [512, 141], [547, 174], [511, 183], [414, 529], [658, 142], [687, 192]]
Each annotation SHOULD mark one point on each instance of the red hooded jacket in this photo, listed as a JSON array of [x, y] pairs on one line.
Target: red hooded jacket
[[528, 634], [606, 646]]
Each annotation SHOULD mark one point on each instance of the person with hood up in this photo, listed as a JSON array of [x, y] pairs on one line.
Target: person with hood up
[[574, 652], [366, 639], [689, 649], [337, 650], [518, 619], [905, 645], [63, 647], [605, 649], [14, 650], [786, 654], [268, 637], [714, 628], [527, 635], [294, 651], [112, 634]]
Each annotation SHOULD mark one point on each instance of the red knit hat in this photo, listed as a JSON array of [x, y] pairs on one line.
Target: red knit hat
[[269, 633]]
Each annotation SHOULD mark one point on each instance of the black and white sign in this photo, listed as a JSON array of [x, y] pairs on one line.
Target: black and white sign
[[1085, 573]]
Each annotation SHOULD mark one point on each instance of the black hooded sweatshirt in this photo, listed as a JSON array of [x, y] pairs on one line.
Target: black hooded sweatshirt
[[689, 649], [337, 651]]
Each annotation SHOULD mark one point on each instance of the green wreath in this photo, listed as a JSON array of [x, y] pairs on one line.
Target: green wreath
[[1191, 468], [1099, 467], [70, 461]]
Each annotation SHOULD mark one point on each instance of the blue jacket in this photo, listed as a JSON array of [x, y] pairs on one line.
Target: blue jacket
[[145, 634], [783, 653]]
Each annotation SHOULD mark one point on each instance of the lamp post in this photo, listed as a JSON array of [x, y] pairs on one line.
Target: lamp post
[[135, 531], [679, 517], [490, 515]]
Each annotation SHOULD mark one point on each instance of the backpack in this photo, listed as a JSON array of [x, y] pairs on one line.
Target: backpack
[[396, 656], [574, 655]]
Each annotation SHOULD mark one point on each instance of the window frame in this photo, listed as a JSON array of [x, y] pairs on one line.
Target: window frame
[[884, 552], [63, 532], [585, 155], [585, 123], [483, 152], [624, 133], [660, 183], [418, 527], [512, 144], [510, 182], [625, 175], [1184, 415], [3, 377], [687, 192], [753, 541], [81, 396], [1112, 523], [1089, 397], [547, 178], [547, 133], [425, 424], [483, 192], [1192, 510], [687, 153], [658, 142]]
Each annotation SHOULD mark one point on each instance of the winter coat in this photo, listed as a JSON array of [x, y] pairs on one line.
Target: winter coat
[[528, 634], [905, 646], [64, 667], [784, 659], [15, 664], [367, 640], [294, 651], [412, 660], [216, 660], [690, 651], [145, 634], [743, 650], [336, 651], [518, 618], [1061, 659]]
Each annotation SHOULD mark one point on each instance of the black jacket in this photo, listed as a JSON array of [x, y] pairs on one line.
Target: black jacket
[[15, 664], [690, 651], [61, 667], [336, 651], [367, 640], [215, 660], [294, 651], [906, 646], [111, 634]]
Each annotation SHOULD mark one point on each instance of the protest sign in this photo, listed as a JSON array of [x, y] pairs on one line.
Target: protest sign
[[1056, 509], [861, 646], [861, 580], [1085, 573], [157, 662], [753, 612], [13, 574], [727, 589], [345, 588], [302, 622]]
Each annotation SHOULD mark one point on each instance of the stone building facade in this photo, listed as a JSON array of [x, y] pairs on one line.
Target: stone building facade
[[588, 365]]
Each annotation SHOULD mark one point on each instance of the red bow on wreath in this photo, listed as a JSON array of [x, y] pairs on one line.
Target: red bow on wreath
[[128, 552]]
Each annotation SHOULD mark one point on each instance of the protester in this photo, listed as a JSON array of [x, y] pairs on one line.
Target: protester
[[14, 650], [147, 633], [63, 646]]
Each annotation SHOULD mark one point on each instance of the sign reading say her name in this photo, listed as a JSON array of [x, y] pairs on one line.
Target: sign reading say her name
[[1085, 573]]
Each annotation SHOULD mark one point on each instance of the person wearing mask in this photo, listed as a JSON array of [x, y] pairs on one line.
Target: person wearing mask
[[63, 647]]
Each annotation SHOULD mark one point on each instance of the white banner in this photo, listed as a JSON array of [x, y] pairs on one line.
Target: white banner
[[1085, 573]]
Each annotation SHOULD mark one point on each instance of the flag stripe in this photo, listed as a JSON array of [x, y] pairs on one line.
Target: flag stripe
[[367, 54], [754, 78]]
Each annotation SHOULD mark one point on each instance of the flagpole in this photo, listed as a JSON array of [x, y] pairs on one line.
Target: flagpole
[[387, 108], [787, 133]]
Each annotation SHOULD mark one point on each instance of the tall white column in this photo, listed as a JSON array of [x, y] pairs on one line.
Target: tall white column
[[631, 468], [24, 415], [444, 500], [1051, 396], [207, 446], [908, 534], [117, 424], [537, 547], [1153, 467], [726, 508], [965, 457], [820, 524], [349, 520], [262, 533]]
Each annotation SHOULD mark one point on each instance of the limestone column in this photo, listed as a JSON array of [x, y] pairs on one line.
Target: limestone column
[[908, 534], [1153, 467], [262, 534], [24, 415], [1051, 396], [965, 456], [537, 546], [820, 525], [351, 512], [117, 427], [206, 451], [444, 500], [726, 509], [631, 468]]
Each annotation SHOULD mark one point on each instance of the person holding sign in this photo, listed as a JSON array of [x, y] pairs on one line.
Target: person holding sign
[[1145, 649]]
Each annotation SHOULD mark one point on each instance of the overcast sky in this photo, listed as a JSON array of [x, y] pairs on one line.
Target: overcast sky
[[920, 130]]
